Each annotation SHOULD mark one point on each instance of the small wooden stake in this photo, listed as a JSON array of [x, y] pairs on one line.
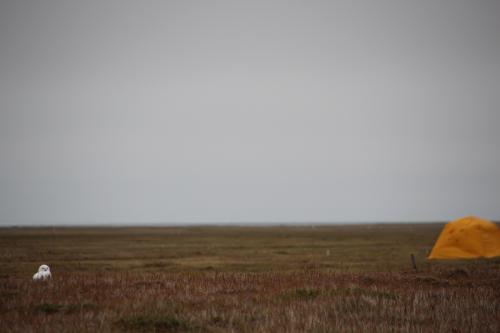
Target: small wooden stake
[[413, 262]]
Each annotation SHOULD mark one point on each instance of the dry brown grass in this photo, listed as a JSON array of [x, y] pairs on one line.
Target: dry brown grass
[[166, 296], [307, 301]]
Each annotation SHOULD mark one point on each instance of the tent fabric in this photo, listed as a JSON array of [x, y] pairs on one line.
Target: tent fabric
[[467, 238]]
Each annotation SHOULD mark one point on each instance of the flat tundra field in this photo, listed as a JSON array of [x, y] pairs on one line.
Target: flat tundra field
[[356, 278]]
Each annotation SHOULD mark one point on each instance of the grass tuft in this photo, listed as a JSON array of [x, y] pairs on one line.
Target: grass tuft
[[307, 293], [49, 308], [148, 323]]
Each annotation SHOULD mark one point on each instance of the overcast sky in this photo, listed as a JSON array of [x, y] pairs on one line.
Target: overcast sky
[[248, 111]]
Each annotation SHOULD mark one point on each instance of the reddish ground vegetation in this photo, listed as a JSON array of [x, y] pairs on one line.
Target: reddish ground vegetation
[[447, 300], [355, 278]]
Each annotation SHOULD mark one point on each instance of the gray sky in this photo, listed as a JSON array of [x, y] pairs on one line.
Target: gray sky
[[248, 111]]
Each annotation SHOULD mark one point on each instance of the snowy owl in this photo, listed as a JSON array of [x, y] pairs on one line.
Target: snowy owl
[[43, 273]]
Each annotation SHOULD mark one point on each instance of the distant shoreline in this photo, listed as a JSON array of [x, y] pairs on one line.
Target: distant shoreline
[[212, 224]]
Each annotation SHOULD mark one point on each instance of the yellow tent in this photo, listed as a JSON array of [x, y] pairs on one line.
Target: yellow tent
[[468, 237]]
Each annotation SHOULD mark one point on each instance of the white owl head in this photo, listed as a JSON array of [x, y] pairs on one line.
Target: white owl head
[[44, 268]]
